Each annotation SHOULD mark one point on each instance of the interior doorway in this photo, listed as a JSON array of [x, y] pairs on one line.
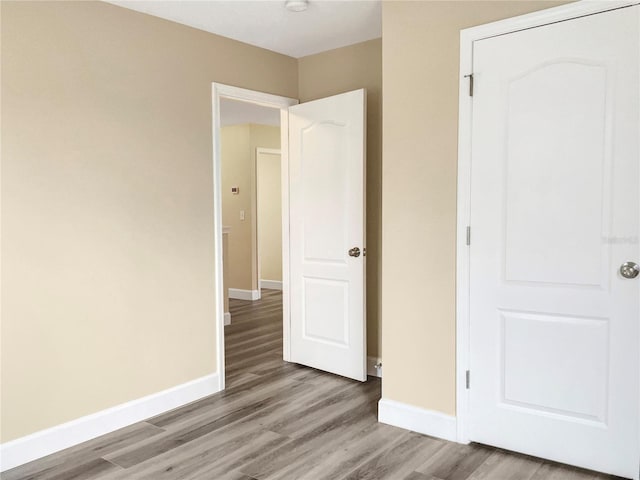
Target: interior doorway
[[237, 113], [323, 166], [252, 235]]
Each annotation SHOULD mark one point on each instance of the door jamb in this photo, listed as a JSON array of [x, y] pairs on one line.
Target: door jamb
[[219, 91], [467, 38]]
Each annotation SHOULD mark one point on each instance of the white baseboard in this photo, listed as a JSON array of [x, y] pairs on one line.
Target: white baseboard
[[240, 294], [271, 284], [51, 440], [427, 422], [372, 370], [227, 318]]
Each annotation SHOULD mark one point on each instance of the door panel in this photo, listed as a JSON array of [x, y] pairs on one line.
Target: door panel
[[554, 328], [324, 175], [572, 351], [327, 218], [325, 322], [543, 183]]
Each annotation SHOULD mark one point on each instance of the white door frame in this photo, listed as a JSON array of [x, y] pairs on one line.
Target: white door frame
[[268, 151], [467, 37], [219, 91]]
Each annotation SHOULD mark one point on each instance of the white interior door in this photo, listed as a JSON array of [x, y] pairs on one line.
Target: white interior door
[[269, 218], [327, 221], [554, 325]]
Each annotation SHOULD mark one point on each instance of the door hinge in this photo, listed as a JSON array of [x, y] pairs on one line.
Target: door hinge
[[468, 379], [468, 235], [470, 77]]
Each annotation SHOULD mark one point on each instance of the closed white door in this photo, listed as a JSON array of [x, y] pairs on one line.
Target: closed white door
[[269, 218], [327, 234], [554, 324]]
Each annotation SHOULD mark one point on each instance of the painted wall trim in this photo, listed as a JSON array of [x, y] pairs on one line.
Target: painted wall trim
[[240, 294], [227, 318], [467, 38], [427, 422], [271, 284], [51, 440], [372, 370]]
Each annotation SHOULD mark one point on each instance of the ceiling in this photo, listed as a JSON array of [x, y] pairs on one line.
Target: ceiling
[[233, 112], [325, 25]]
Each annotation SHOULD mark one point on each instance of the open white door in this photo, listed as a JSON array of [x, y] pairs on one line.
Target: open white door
[[327, 234], [555, 203]]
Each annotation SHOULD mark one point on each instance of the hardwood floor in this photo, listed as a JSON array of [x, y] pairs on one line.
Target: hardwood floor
[[281, 421]]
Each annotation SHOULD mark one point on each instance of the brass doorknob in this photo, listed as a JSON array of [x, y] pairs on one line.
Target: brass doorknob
[[354, 252]]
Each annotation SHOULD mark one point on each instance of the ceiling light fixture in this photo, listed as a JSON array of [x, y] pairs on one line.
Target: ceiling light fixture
[[296, 5]]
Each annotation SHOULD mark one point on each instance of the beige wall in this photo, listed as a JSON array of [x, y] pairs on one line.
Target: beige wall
[[420, 55], [343, 70], [107, 204], [238, 152], [269, 203], [107, 290], [236, 172]]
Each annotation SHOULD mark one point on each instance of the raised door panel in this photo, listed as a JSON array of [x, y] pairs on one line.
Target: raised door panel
[[326, 191], [324, 170], [555, 365], [557, 168]]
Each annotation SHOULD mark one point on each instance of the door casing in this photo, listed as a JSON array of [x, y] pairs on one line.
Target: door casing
[[219, 91], [467, 39]]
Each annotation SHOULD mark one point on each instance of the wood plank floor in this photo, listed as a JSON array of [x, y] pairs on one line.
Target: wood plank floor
[[281, 421]]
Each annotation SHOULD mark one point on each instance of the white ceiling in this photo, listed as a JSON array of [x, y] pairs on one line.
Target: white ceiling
[[233, 112], [325, 25]]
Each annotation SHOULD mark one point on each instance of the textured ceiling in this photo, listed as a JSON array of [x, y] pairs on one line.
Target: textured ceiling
[[325, 25]]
